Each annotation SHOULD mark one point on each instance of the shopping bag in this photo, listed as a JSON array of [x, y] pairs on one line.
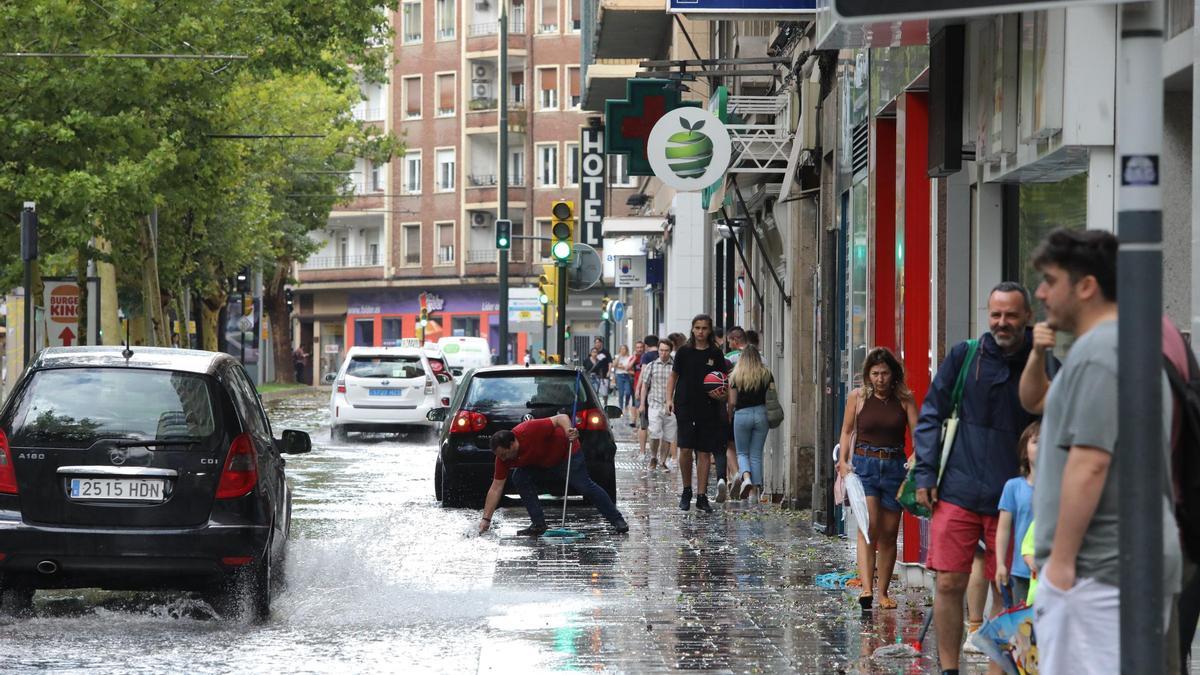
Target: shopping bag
[[950, 424], [907, 494], [839, 484], [1009, 640], [858, 504]]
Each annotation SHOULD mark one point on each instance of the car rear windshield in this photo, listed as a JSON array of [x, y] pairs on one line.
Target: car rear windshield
[[525, 391], [73, 407], [385, 366]]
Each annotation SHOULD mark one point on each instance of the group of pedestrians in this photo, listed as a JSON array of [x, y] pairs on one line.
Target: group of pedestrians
[[1017, 468]]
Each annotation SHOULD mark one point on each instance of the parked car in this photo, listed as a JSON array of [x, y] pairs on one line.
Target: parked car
[[501, 397], [441, 371], [465, 353], [150, 470], [383, 389]]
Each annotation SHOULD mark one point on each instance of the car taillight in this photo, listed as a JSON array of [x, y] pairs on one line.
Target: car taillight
[[341, 386], [592, 419], [240, 474], [8, 474], [468, 422]]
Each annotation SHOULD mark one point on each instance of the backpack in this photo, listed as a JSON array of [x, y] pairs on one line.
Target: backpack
[[1185, 454]]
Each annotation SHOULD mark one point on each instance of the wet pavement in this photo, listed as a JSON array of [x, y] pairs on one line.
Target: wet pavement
[[382, 578]]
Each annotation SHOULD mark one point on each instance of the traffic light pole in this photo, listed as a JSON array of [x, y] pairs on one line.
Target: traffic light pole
[[502, 353], [564, 275]]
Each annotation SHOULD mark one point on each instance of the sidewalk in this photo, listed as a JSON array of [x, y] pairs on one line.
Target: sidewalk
[[730, 591]]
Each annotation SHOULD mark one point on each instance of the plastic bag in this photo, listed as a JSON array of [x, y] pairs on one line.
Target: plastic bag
[[858, 504]]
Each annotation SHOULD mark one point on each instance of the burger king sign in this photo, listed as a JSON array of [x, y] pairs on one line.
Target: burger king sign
[[62, 313], [689, 149]]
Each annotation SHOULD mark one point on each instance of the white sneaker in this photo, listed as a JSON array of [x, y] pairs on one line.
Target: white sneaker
[[969, 646], [722, 492]]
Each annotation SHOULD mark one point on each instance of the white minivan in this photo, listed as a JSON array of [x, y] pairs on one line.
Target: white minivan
[[465, 354], [383, 389]]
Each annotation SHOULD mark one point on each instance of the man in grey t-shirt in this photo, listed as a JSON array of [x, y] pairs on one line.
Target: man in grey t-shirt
[[1076, 496]]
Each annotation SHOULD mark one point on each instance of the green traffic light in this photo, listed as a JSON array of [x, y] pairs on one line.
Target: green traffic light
[[502, 242], [604, 316], [561, 250], [544, 299]]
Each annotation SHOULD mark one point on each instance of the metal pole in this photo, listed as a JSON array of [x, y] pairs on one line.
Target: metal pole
[[29, 253], [503, 172], [564, 274], [1139, 351]]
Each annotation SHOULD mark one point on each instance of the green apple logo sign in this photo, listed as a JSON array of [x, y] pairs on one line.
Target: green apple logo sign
[[689, 149]]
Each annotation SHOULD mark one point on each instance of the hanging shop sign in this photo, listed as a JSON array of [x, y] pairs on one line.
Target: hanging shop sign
[[591, 185], [631, 271], [742, 6], [630, 121], [689, 149]]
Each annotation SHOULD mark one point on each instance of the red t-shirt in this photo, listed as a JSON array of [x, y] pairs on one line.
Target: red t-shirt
[[540, 443]]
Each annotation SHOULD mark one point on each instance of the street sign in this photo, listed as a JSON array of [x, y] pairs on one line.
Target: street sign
[[591, 185], [788, 7], [631, 271], [62, 313], [618, 311], [586, 268], [689, 149], [867, 11], [524, 306]]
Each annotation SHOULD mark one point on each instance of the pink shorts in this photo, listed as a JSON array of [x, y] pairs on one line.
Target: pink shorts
[[954, 535]]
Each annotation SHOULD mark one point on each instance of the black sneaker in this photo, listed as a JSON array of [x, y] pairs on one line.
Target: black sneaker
[[532, 531], [685, 500], [702, 503], [621, 526]]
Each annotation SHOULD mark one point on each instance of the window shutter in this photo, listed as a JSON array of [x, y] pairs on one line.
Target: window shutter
[[516, 78], [573, 77], [446, 95], [412, 96], [548, 77], [549, 12]]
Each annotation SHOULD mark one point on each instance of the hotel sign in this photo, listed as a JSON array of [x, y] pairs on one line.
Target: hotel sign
[[591, 185]]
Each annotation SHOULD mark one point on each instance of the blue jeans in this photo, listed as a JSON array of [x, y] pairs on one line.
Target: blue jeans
[[625, 389], [523, 478], [750, 435]]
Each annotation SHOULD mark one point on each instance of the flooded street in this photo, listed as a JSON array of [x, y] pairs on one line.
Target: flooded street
[[380, 577]]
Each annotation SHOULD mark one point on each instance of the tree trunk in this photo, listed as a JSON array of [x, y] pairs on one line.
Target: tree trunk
[[276, 309], [81, 279], [211, 304]]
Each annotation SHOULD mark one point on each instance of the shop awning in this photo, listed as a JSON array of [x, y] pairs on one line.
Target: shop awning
[[646, 226]]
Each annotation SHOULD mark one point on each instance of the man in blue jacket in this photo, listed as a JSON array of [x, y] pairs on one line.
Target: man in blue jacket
[[982, 459]]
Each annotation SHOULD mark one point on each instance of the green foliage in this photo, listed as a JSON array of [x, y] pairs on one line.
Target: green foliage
[[101, 143]]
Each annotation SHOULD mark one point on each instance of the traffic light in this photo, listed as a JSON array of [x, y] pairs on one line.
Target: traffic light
[[503, 234], [289, 297], [546, 284], [247, 304], [604, 308], [543, 293], [424, 320], [562, 231], [243, 280]]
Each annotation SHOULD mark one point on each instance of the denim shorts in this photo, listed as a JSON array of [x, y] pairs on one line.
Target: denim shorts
[[881, 477]]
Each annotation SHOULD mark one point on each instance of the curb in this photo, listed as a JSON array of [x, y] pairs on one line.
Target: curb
[[280, 394]]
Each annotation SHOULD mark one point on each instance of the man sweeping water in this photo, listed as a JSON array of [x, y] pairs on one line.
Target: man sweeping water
[[549, 450]]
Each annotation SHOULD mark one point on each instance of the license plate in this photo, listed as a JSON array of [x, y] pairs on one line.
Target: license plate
[[386, 392], [118, 489]]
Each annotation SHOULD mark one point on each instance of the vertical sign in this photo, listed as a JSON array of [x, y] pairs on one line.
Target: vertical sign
[[591, 185], [62, 313]]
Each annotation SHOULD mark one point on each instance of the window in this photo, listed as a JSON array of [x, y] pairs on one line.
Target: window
[[445, 95], [412, 172], [543, 230], [411, 16], [516, 82], [412, 98], [548, 88], [445, 170], [547, 170], [364, 334], [444, 15], [618, 171], [464, 326], [573, 86], [412, 244], [516, 168], [574, 16], [548, 17], [377, 177], [445, 239], [391, 332], [517, 253], [572, 151]]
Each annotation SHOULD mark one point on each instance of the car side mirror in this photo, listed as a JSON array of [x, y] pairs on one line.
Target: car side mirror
[[295, 442], [329, 378], [436, 414], [612, 412]]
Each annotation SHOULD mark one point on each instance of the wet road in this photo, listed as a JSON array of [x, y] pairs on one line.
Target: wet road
[[382, 578]]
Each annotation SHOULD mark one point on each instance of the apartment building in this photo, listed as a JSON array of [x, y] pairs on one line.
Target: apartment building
[[424, 223]]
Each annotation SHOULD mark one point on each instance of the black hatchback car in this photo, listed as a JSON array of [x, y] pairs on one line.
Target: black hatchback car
[[150, 470], [501, 397]]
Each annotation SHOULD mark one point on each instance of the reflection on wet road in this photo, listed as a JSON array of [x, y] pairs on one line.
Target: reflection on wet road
[[381, 578]]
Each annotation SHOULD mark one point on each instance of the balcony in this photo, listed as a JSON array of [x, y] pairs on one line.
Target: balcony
[[369, 113], [341, 261], [516, 26], [761, 145], [481, 256]]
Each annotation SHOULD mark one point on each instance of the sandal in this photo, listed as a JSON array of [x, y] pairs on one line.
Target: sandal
[[864, 601], [854, 583], [887, 603]]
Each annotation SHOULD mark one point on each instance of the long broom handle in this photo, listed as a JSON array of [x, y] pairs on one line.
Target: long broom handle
[[567, 483]]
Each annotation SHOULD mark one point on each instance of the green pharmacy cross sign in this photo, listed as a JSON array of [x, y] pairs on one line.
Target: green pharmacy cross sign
[[630, 121]]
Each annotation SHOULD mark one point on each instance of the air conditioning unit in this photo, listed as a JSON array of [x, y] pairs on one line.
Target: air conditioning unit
[[481, 91], [479, 219], [481, 72], [482, 6]]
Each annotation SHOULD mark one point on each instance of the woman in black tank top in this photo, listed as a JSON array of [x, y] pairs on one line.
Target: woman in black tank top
[[872, 447]]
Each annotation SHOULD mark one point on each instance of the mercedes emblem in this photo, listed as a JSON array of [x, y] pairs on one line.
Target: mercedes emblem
[[116, 456]]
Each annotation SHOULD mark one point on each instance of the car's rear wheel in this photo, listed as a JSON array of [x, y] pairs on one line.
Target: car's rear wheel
[[453, 494], [437, 481], [16, 601], [247, 593], [337, 434]]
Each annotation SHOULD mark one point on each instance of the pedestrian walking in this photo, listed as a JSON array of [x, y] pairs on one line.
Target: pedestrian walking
[[962, 482], [697, 410], [1016, 513], [663, 430], [623, 376], [1076, 503], [727, 462], [600, 368], [649, 354], [748, 385], [299, 360], [543, 450], [872, 447]]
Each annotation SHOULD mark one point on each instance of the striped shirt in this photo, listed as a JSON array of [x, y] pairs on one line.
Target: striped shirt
[[658, 372]]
